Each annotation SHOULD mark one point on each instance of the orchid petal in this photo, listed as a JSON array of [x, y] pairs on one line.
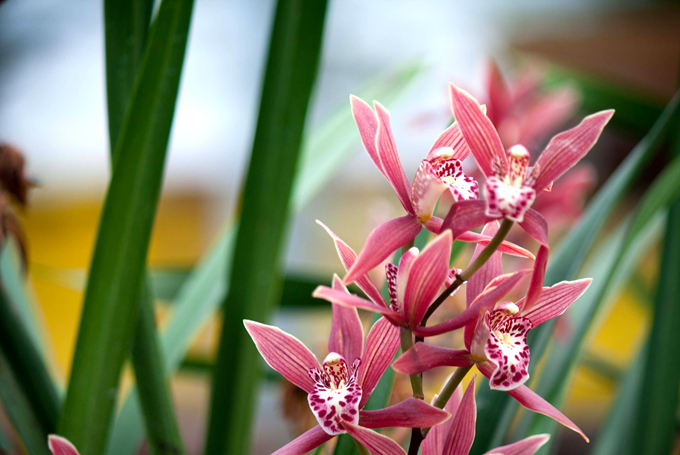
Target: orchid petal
[[453, 138], [376, 443], [382, 343], [547, 113], [498, 93], [568, 147], [490, 270], [348, 257], [61, 446], [527, 446], [507, 348], [478, 131], [426, 190], [410, 413], [466, 215], [505, 247], [492, 294], [284, 353], [347, 333], [351, 300], [389, 158], [462, 433], [436, 437], [368, 127], [533, 402], [428, 272], [554, 300], [383, 241], [403, 271], [424, 357], [306, 442], [537, 227]]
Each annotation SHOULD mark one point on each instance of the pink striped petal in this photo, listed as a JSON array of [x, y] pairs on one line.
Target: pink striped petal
[[389, 158], [498, 94], [506, 247], [527, 446], [546, 114], [284, 353], [61, 446], [351, 300], [568, 147], [347, 333], [478, 131], [383, 241], [427, 275], [533, 402], [466, 215], [306, 442], [376, 443], [382, 343], [554, 300], [537, 227], [424, 357], [368, 127], [403, 271], [462, 434], [490, 270], [487, 299], [453, 138], [410, 413], [434, 442], [348, 257]]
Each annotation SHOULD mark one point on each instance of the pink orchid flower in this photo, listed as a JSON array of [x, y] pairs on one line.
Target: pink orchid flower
[[339, 388], [413, 284], [511, 185], [440, 171], [60, 446], [495, 335], [456, 435]]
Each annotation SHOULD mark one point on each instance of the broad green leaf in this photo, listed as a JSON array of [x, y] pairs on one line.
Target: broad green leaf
[[127, 26], [23, 361], [116, 273], [203, 290], [659, 393], [615, 435], [255, 280], [19, 411], [496, 409], [664, 189]]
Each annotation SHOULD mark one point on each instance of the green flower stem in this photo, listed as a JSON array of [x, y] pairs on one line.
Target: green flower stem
[[466, 274], [416, 379], [450, 387]]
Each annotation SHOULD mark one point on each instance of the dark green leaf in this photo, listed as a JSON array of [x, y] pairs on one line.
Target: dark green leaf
[[495, 409], [254, 281], [116, 274]]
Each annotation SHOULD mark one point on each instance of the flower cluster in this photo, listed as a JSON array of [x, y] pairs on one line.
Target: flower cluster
[[494, 329]]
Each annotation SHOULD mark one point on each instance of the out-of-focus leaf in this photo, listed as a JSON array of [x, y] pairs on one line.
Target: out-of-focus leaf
[[655, 432], [23, 362], [255, 281], [203, 290], [664, 189], [616, 433], [116, 274], [634, 111], [19, 411], [495, 409]]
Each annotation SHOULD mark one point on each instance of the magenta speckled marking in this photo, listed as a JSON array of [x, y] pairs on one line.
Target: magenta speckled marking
[[507, 348]]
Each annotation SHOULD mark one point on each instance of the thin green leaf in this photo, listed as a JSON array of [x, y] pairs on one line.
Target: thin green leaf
[[495, 410], [659, 395], [203, 291], [615, 436], [19, 410], [254, 281], [116, 276], [21, 355]]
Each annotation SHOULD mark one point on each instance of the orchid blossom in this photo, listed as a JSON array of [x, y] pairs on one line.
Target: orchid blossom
[[456, 435], [495, 337], [440, 171], [339, 388], [61, 446], [512, 185]]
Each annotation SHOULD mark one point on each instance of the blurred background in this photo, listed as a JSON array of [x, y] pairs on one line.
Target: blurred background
[[622, 54]]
